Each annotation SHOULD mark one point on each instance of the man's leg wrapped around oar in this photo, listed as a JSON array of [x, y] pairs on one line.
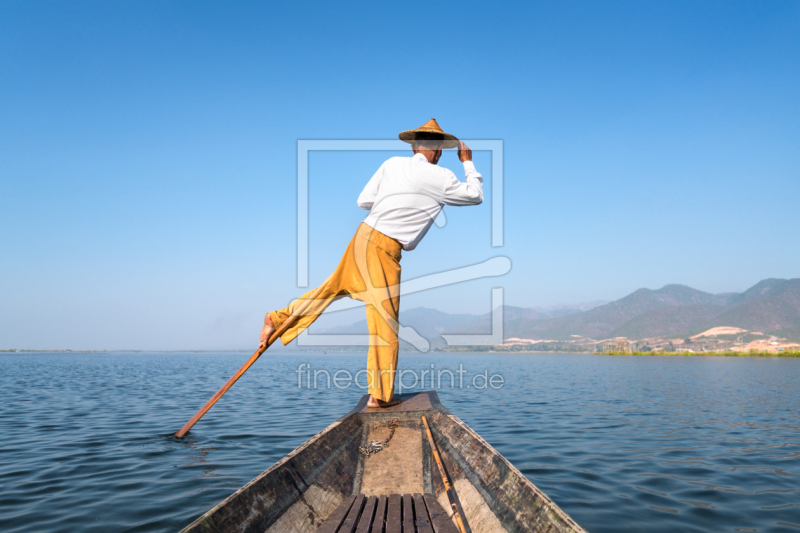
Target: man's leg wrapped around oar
[[369, 271]]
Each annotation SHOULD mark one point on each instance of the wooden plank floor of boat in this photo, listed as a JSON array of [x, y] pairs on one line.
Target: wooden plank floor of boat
[[409, 513]]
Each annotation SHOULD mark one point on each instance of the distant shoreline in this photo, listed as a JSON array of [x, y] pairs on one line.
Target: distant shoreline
[[125, 351], [707, 354], [787, 354]]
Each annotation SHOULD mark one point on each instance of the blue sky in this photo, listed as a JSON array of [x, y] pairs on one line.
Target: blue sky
[[148, 153]]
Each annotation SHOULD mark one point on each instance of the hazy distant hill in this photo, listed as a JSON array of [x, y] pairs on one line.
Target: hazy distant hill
[[600, 322], [666, 321], [431, 323], [772, 306], [511, 315], [563, 310], [763, 289]]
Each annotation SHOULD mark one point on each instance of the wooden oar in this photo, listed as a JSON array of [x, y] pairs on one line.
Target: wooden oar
[[451, 493], [275, 336]]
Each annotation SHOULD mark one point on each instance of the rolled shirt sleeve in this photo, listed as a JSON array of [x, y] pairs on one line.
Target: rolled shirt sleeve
[[459, 193], [367, 197]]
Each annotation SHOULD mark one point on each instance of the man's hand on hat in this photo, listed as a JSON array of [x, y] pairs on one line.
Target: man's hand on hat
[[464, 153]]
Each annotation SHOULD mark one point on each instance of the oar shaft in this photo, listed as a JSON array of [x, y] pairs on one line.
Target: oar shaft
[[274, 337], [199, 414], [451, 493]]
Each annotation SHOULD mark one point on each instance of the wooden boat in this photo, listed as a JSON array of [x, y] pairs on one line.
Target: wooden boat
[[327, 485]]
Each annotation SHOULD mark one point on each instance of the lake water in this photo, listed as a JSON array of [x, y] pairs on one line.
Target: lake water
[[623, 444]]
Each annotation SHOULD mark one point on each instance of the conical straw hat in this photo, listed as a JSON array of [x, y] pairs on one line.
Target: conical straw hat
[[449, 141]]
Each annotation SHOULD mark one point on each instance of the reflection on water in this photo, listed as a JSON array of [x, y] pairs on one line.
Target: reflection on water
[[623, 444]]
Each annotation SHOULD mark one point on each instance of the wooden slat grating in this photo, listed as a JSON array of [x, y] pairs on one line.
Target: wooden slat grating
[[395, 513], [331, 525], [439, 520], [408, 513], [421, 519], [365, 522], [350, 522], [379, 522]]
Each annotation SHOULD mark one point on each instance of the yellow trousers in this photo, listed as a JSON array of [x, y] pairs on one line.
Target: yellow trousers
[[370, 272]]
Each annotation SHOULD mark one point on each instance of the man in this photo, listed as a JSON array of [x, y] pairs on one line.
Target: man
[[404, 197]]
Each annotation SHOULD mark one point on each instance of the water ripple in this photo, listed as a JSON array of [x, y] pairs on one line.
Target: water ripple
[[622, 444]]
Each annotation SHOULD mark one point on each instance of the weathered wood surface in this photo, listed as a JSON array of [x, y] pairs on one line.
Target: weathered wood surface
[[323, 477], [410, 513], [457, 514], [421, 519], [334, 521], [493, 494], [411, 402], [324, 463], [394, 514], [379, 521], [440, 520], [398, 467], [351, 520], [367, 515]]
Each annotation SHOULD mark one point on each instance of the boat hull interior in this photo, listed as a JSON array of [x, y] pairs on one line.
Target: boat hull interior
[[297, 494]]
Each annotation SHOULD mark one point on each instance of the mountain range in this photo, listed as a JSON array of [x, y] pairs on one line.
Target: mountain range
[[772, 307]]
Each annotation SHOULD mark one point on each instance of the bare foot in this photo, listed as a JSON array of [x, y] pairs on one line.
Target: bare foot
[[266, 331], [374, 402]]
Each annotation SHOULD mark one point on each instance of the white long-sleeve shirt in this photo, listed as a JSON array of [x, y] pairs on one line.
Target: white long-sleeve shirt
[[406, 195]]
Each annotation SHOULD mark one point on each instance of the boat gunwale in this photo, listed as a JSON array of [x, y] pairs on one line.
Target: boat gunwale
[[511, 470], [277, 465]]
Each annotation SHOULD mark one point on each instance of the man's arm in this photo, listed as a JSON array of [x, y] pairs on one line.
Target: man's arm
[[469, 193], [367, 197]]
